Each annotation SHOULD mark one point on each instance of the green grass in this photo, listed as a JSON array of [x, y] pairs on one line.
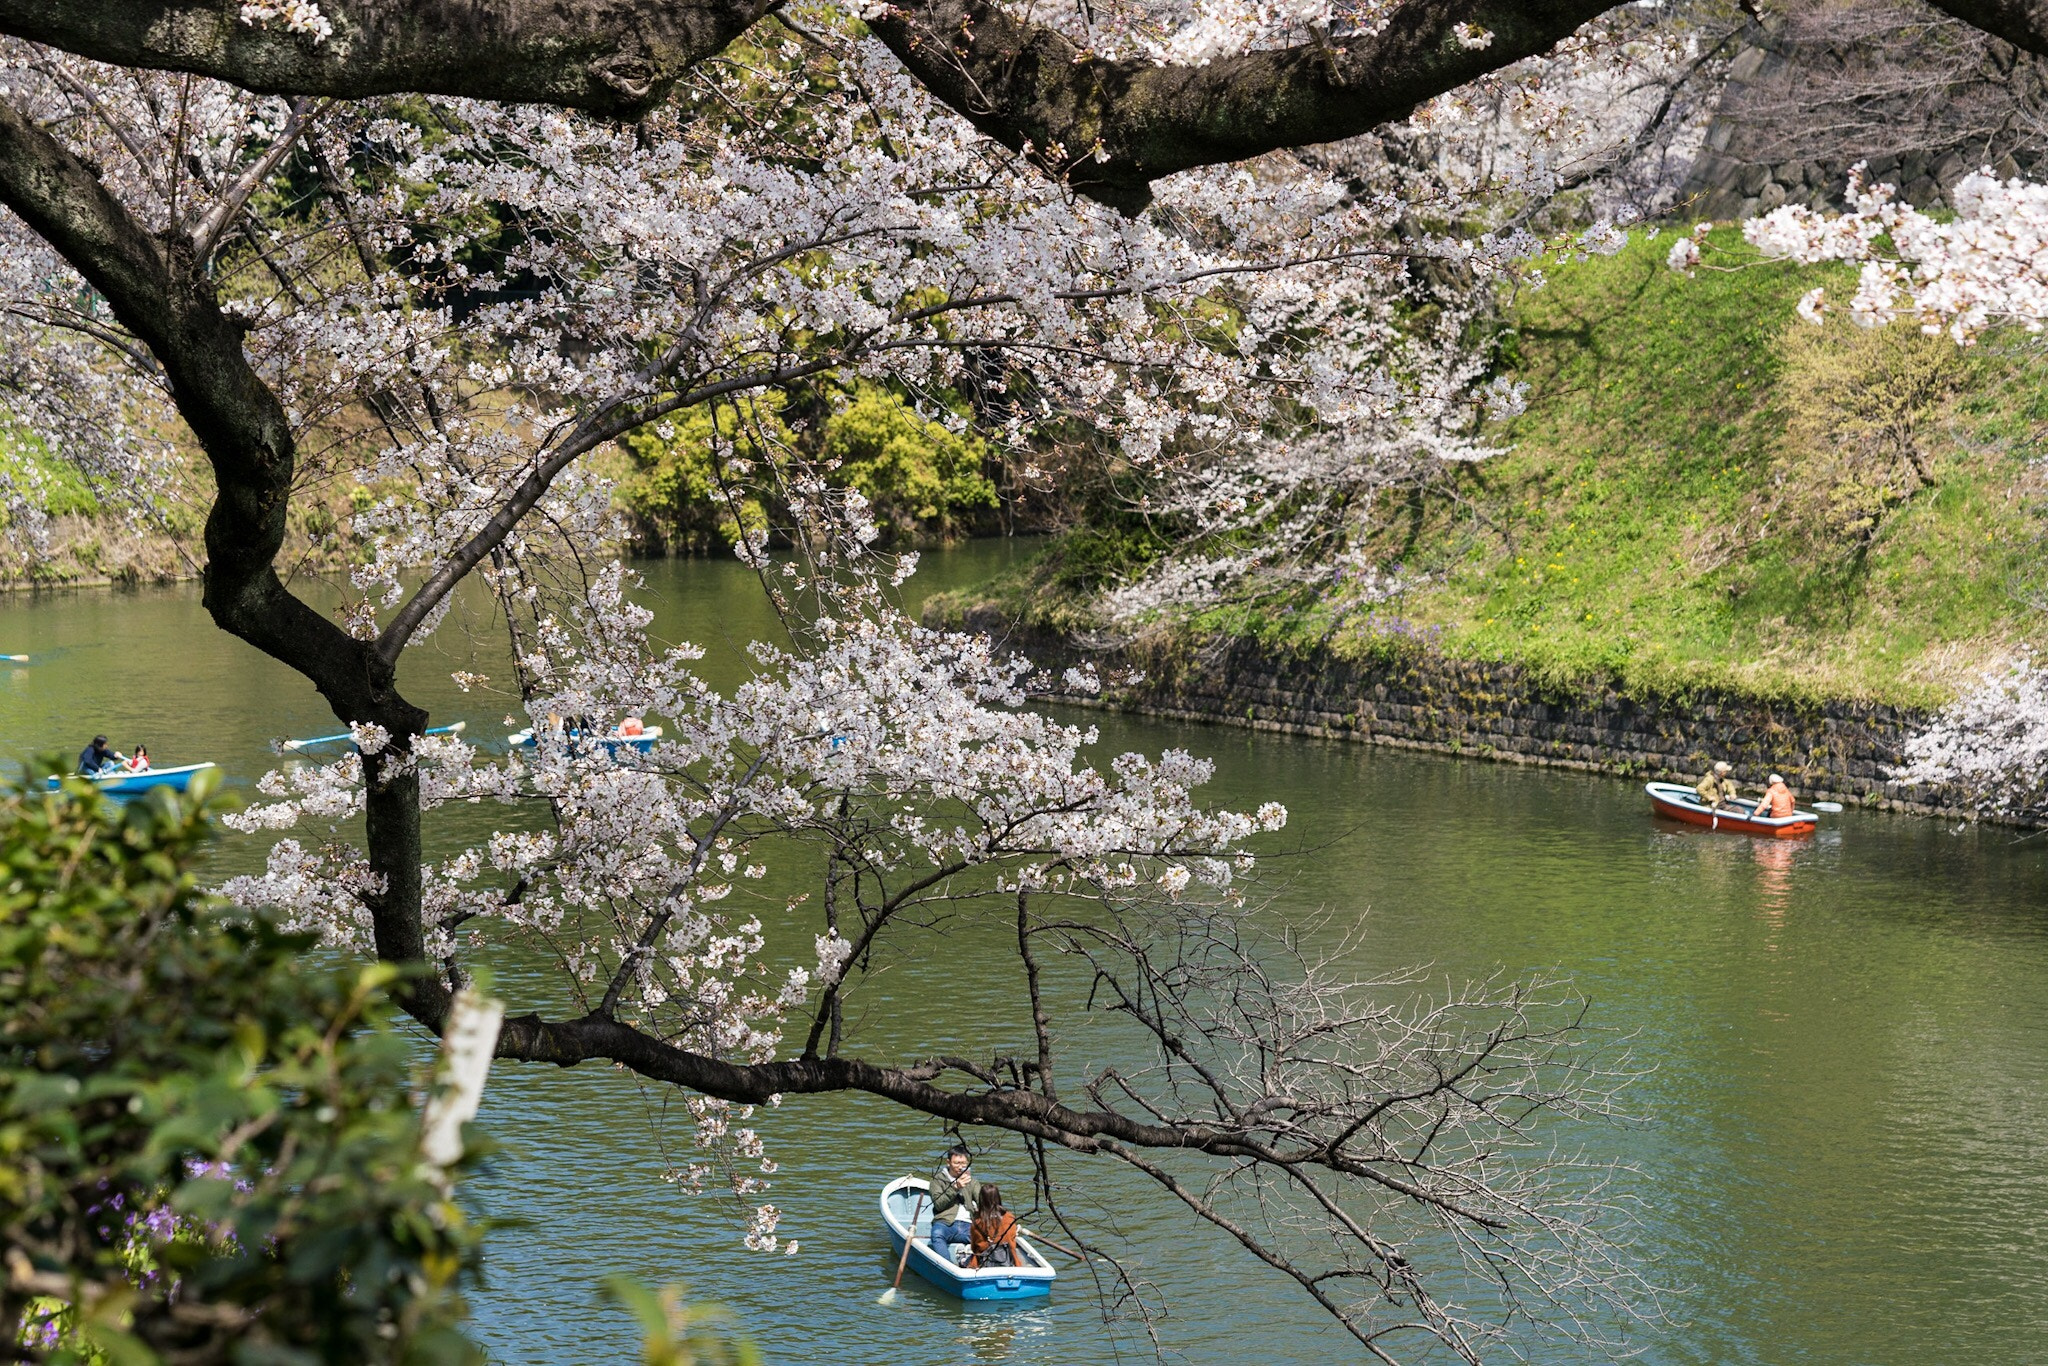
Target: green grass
[[56, 486], [1633, 534], [1637, 536]]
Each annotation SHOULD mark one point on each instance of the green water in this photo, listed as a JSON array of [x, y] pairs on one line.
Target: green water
[[1847, 1039]]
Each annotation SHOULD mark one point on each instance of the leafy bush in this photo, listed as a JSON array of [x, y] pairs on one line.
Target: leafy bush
[[208, 1151], [209, 1146], [696, 483], [918, 475], [1859, 403]]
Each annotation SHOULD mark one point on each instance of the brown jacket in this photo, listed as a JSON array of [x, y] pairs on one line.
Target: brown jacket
[[995, 1230]]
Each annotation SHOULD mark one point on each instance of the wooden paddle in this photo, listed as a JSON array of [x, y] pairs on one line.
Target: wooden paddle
[[1041, 1238], [909, 1237]]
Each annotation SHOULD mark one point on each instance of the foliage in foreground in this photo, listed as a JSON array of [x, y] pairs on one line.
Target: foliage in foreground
[[209, 1149], [207, 1146]]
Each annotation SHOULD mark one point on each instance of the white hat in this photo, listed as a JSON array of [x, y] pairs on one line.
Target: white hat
[[1721, 767], [1776, 779]]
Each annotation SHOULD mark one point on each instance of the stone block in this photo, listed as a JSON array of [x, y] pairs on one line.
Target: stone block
[[1752, 179], [1773, 196]]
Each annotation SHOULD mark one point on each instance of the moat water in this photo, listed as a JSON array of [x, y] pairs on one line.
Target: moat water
[[1845, 1154]]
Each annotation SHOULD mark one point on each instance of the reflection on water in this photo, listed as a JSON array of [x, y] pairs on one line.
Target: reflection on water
[[1773, 877], [1848, 1037]]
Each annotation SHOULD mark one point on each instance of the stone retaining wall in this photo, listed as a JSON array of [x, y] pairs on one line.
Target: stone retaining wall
[[1838, 751], [1734, 178]]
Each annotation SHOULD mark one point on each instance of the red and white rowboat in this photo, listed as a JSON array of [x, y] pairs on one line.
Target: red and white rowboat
[[1681, 803]]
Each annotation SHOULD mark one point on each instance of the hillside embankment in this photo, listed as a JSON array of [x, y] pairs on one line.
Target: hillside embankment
[[1717, 532]]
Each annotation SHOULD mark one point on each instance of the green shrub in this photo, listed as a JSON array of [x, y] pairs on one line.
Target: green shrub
[[207, 1147], [715, 471], [209, 1143], [917, 474]]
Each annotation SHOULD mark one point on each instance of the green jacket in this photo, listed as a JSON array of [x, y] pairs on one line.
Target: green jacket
[[1714, 789], [948, 1202]]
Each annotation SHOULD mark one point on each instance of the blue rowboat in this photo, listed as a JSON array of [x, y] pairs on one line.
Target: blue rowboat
[[907, 1208], [643, 742], [349, 737], [122, 782]]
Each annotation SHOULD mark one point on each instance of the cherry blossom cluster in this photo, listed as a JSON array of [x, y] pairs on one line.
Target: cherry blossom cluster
[[1990, 745], [1986, 266], [908, 748], [1618, 108]]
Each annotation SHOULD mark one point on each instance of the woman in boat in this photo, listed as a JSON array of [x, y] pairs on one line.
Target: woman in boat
[[994, 1234], [632, 726], [137, 762]]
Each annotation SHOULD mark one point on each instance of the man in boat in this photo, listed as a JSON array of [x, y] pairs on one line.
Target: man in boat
[[952, 1203], [1777, 799], [1717, 789], [95, 757]]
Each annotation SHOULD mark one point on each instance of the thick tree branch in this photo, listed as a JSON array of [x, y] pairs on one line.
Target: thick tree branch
[[2023, 23], [612, 57], [156, 289], [1113, 127]]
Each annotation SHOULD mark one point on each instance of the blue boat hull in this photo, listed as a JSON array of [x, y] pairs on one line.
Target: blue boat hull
[[611, 744], [126, 784], [1030, 1282]]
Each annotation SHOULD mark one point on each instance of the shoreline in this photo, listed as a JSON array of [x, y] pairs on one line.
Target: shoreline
[[1830, 750]]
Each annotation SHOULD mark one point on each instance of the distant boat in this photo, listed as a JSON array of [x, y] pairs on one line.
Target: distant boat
[[610, 740], [1681, 803], [906, 1197], [349, 736], [123, 781]]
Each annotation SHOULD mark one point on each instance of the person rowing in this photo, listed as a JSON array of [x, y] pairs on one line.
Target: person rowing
[[1716, 791], [96, 758], [952, 1187]]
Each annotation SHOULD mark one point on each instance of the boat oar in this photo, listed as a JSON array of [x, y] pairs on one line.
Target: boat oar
[[1832, 808], [1041, 1238], [15, 659], [455, 729], [909, 1237]]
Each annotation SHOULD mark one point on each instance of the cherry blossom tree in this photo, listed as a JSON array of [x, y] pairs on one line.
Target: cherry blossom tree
[[1990, 746], [1985, 267], [571, 222], [447, 304]]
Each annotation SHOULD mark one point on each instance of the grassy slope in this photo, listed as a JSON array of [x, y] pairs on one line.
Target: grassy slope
[[1630, 533], [1638, 503]]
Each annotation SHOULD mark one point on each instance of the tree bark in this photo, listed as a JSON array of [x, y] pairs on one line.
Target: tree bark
[[610, 57], [154, 287], [2023, 23], [1113, 127]]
